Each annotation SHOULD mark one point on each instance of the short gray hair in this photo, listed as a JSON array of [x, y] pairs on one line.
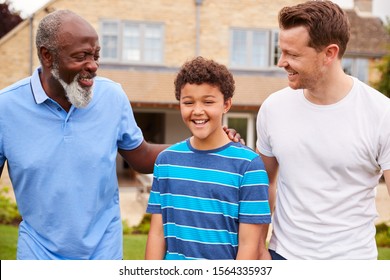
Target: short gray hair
[[48, 29]]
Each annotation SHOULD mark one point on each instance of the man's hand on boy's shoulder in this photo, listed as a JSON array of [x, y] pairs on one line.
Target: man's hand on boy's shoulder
[[233, 135]]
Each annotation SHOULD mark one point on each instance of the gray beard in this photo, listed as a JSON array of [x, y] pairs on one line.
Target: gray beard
[[77, 95]]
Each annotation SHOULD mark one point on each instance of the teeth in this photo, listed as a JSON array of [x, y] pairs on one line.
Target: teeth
[[199, 121]]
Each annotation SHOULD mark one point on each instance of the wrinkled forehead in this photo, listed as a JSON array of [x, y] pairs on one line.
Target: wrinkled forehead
[[75, 28]]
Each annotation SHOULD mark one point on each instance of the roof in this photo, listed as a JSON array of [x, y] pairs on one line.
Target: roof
[[156, 89], [368, 35]]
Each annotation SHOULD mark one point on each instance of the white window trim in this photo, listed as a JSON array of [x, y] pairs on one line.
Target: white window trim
[[250, 142], [141, 25], [272, 33]]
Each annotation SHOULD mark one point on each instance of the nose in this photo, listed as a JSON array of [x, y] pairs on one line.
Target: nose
[[198, 109], [282, 62], [92, 65]]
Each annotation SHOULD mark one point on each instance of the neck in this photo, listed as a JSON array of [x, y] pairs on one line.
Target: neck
[[329, 91], [209, 143], [55, 91]]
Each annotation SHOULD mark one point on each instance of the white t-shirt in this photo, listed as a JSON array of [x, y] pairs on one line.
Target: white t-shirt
[[330, 160]]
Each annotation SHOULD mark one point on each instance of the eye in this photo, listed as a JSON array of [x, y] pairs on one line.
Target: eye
[[86, 55], [187, 102], [291, 54], [97, 55], [80, 57]]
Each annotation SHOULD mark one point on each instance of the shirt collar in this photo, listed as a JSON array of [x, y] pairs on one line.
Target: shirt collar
[[36, 86]]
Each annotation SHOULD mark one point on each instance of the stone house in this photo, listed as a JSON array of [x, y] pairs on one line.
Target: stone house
[[145, 42]]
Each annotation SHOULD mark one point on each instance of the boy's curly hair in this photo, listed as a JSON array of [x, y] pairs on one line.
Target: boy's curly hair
[[199, 71]]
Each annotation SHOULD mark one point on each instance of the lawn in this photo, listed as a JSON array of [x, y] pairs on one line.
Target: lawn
[[133, 245]]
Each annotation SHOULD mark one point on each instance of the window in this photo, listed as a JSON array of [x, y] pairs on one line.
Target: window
[[254, 48], [357, 67], [110, 40], [133, 42], [243, 123]]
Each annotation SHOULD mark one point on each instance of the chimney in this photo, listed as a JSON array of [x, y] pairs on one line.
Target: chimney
[[364, 5]]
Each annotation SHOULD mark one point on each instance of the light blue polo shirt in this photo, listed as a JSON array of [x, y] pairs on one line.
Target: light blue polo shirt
[[63, 169]]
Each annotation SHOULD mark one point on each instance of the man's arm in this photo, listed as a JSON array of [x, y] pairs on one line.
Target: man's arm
[[142, 158], [386, 174], [155, 245], [251, 242]]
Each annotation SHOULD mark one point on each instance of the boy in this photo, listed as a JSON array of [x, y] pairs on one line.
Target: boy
[[207, 189]]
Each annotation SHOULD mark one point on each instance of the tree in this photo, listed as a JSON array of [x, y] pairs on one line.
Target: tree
[[383, 84], [8, 18]]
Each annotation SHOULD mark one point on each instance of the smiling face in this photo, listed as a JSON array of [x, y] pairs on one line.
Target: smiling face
[[76, 62], [202, 108], [302, 63]]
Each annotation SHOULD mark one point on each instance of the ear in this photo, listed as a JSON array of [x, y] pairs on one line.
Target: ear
[[227, 105], [47, 57], [331, 53]]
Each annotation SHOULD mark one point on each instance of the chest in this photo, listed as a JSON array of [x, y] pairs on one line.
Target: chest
[[338, 136]]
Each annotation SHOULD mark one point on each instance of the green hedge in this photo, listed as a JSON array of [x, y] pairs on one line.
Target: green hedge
[[9, 213]]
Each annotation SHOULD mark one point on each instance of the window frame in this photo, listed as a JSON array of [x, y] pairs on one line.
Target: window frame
[[250, 130], [142, 29], [357, 68], [271, 55]]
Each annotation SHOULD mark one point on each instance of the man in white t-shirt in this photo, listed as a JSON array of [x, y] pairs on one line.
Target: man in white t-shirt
[[325, 142]]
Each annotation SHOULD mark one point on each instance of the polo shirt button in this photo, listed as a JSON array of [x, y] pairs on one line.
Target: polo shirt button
[[59, 109]]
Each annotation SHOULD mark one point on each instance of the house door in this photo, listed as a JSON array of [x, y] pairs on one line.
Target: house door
[[152, 126], [153, 129]]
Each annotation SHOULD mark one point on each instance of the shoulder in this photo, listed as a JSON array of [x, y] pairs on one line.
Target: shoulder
[[284, 96], [107, 87], [281, 93], [248, 159], [176, 149], [16, 87], [102, 83], [240, 151], [179, 146], [109, 91], [370, 97], [15, 94]]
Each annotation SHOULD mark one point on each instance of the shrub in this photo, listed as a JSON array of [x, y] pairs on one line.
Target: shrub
[[9, 213], [144, 226], [126, 228], [382, 236]]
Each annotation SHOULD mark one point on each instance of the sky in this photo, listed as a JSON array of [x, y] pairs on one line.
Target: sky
[[381, 8]]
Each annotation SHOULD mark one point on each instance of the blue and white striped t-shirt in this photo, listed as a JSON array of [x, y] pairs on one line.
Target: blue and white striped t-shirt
[[204, 195]]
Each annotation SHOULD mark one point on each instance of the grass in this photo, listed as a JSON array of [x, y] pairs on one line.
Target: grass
[[133, 245], [8, 240], [383, 253]]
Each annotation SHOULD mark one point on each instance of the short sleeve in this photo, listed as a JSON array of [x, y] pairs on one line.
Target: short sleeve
[[254, 205], [262, 143], [2, 155], [384, 143], [130, 135], [154, 203]]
